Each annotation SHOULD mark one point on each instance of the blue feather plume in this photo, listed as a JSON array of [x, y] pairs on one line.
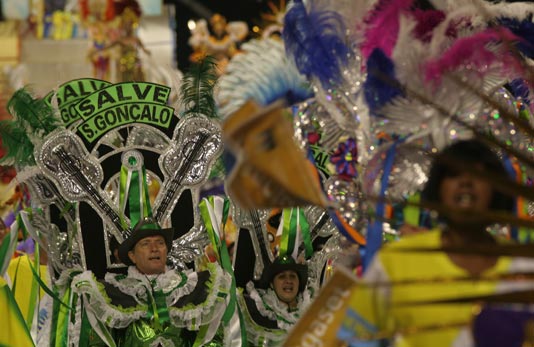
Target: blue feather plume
[[291, 87], [381, 85], [519, 89], [263, 73], [525, 30], [316, 42]]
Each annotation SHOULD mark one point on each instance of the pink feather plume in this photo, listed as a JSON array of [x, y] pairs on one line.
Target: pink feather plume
[[383, 26], [426, 22], [474, 51]]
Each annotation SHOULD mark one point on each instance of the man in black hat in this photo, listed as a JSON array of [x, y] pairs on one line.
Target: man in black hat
[[147, 248], [153, 305], [275, 306]]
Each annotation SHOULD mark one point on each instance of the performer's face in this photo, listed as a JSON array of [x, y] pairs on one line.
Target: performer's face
[[466, 191], [286, 286], [150, 255]]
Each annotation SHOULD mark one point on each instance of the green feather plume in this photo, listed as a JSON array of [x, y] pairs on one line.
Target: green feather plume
[[197, 88], [32, 120], [17, 144], [34, 114]]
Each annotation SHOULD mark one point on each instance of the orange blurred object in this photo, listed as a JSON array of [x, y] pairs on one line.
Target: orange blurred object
[[271, 171]]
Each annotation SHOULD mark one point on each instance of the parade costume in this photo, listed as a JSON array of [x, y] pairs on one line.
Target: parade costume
[[402, 312], [91, 187], [221, 43], [267, 319], [151, 309], [409, 297], [129, 64], [143, 311]]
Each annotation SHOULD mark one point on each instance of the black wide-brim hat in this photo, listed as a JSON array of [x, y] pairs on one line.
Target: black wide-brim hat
[[145, 228], [283, 264]]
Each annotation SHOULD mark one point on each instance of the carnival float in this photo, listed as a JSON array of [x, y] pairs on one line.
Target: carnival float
[[289, 181]]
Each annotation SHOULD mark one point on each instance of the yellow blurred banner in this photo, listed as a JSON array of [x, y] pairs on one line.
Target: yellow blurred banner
[[14, 331], [319, 325]]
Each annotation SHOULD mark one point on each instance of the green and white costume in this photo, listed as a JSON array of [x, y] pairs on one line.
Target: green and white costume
[[267, 319], [170, 309]]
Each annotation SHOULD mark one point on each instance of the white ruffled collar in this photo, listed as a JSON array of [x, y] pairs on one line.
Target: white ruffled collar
[[175, 285], [270, 306], [136, 283]]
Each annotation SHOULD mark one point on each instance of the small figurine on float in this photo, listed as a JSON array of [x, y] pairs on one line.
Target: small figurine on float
[[129, 66], [97, 16], [222, 42], [36, 19]]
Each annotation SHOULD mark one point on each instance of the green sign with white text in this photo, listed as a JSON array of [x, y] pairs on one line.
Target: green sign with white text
[[70, 93], [121, 114], [123, 103], [122, 93], [322, 159]]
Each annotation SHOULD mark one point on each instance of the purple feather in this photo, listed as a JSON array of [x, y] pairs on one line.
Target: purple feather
[[27, 246], [9, 219], [316, 42]]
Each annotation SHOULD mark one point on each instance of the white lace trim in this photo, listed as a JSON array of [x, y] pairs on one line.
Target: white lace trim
[[192, 317], [270, 306], [256, 333], [64, 279], [137, 284], [86, 285], [187, 288]]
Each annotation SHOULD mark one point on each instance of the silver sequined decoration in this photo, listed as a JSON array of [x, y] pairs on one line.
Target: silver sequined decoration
[[408, 174], [255, 221], [63, 171], [197, 142], [349, 200], [188, 247]]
